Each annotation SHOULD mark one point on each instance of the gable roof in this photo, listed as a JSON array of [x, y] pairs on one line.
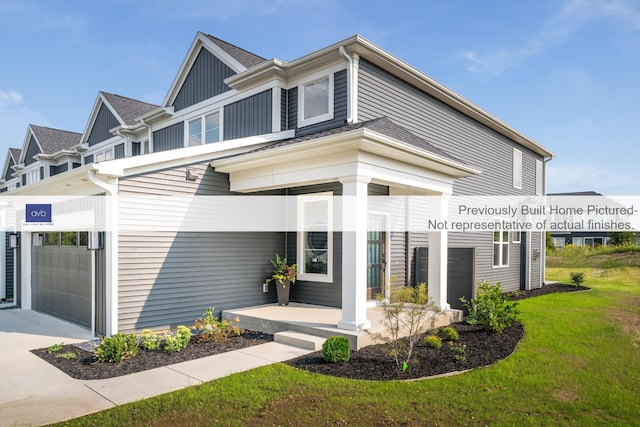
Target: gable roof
[[15, 154], [13, 157], [127, 109], [54, 140], [244, 57], [237, 59]]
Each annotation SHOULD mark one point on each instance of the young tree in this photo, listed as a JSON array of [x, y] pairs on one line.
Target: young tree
[[622, 238]]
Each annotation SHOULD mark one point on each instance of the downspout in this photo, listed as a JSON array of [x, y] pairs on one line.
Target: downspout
[[111, 246], [350, 84]]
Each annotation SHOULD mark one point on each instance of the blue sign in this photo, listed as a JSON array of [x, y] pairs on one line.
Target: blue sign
[[38, 213]]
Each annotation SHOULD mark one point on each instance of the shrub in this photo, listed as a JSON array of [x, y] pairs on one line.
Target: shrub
[[449, 333], [577, 278], [490, 308], [150, 340], [54, 348], [410, 313], [433, 341], [336, 349], [214, 330], [116, 348], [460, 351], [179, 341], [68, 355]]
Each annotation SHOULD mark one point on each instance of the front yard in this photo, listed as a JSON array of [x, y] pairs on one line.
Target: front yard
[[578, 364]]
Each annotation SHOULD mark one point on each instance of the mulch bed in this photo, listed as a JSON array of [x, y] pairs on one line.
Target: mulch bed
[[83, 367], [369, 363]]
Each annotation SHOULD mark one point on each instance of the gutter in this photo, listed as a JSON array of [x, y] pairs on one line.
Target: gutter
[[351, 86]]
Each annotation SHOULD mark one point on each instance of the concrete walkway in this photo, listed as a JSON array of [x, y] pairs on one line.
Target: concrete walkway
[[33, 392]]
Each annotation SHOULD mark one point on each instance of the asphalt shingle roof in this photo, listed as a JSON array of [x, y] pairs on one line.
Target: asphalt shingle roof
[[128, 109], [244, 57], [381, 125], [54, 140], [15, 154]]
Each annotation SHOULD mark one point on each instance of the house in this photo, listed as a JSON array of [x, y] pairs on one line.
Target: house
[[348, 120], [561, 238]]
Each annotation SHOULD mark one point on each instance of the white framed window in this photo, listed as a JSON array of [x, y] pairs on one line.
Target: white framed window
[[104, 155], [315, 237], [517, 168], [558, 242], [500, 248], [33, 176], [204, 130], [515, 237], [577, 241], [539, 177], [315, 101]]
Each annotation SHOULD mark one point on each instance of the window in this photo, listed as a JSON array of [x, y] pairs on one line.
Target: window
[[104, 155], [539, 177], [558, 242], [500, 248], [515, 236], [594, 241], [577, 241], [315, 237], [315, 101], [33, 176], [209, 126], [138, 148], [517, 168]]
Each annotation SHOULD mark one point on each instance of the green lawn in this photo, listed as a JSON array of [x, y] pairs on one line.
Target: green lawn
[[579, 364]]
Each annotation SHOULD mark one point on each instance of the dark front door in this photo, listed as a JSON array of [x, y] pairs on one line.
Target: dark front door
[[376, 239]]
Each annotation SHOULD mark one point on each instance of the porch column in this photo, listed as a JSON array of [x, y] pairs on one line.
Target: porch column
[[354, 253], [438, 253]]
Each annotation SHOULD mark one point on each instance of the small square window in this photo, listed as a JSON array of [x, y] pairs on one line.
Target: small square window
[[315, 101], [212, 128]]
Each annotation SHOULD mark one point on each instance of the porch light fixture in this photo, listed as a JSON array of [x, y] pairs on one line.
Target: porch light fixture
[[37, 239], [14, 240], [192, 174], [94, 240]]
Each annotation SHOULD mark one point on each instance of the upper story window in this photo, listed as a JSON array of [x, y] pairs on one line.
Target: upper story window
[[204, 130], [104, 155], [517, 168], [316, 101], [315, 237]]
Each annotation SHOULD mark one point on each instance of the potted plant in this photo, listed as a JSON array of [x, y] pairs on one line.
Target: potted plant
[[284, 276]]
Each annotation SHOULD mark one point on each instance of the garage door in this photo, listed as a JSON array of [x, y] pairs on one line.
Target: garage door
[[61, 277]]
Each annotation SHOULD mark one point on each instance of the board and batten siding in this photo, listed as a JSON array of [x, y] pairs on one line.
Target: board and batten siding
[[340, 94], [382, 94], [168, 278], [248, 117], [104, 121], [32, 150], [205, 80], [169, 138]]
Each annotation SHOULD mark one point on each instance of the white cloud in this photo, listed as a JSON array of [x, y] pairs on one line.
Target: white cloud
[[10, 97], [570, 19]]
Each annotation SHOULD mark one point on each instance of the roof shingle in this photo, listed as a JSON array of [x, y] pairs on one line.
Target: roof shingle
[[54, 140], [127, 108], [244, 57]]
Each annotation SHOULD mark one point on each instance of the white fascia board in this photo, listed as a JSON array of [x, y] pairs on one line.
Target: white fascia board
[[92, 117], [188, 155], [74, 182]]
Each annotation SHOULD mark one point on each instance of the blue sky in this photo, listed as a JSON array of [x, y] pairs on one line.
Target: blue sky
[[566, 73]]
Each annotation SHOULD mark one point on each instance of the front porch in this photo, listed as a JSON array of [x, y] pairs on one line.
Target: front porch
[[299, 323]]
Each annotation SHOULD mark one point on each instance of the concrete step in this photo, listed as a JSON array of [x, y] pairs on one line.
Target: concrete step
[[300, 340]]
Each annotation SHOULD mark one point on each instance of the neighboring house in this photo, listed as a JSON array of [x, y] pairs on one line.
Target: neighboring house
[[349, 119], [579, 238]]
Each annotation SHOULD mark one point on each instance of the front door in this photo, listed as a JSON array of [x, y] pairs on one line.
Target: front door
[[376, 249]]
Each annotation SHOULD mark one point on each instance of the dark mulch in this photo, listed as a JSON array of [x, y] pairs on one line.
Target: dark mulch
[[370, 363], [83, 367]]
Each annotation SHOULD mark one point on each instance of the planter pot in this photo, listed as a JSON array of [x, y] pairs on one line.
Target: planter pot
[[283, 288]]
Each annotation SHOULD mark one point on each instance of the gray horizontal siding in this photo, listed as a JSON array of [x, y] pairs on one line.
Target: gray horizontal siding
[[169, 138], [340, 95], [105, 120], [205, 80], [248, 117], [167, 279]]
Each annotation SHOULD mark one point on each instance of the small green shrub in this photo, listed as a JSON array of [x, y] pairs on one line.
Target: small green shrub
[[179, 341], [336, 349], [54, 348], [213, 330], [490, 308], [577, 278], [433, 341], [150, 340], [68, 355], [460, 351], [449, 333], [116, 348]]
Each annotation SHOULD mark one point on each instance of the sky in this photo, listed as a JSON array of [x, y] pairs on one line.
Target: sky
[[566, 73]]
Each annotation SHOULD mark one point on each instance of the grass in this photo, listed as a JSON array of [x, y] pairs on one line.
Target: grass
[[579, 364]]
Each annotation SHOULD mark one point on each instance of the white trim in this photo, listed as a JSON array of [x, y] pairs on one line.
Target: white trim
[[302, 200], [387, 250], [517, 168], [302, 121], [501, 242], [276, 109], [539, 177]]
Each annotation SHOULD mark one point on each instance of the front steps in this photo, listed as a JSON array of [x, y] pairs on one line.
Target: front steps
[[300, 340]]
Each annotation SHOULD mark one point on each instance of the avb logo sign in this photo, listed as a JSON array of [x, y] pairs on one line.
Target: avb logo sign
[[38, 213]]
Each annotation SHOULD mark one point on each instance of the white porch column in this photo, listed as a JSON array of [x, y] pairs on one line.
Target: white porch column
[[354, 253], [438, 253], [25, 270]]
